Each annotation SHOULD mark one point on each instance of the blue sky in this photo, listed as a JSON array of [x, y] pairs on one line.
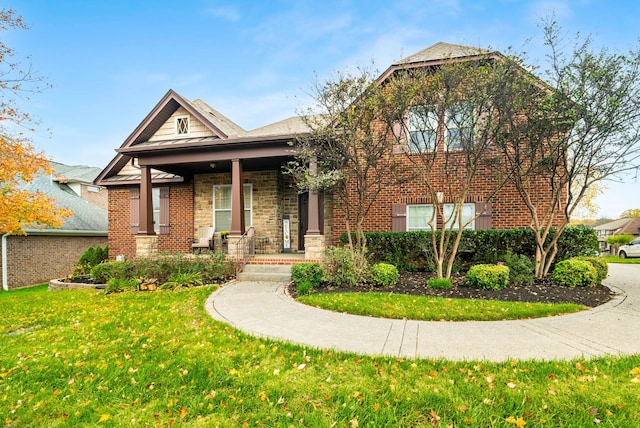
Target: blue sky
[[111, 61]]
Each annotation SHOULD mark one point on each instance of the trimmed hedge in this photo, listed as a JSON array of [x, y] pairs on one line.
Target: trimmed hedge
[[412, 251], [306, 276]]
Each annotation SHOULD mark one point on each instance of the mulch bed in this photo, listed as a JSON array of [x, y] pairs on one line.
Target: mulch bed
[[415, 283]]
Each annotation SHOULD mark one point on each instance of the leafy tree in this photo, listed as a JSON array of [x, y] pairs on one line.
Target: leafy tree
[[617, 240], [446, 121], [578, 129], [19, 163], [352, 149], [631, 213]]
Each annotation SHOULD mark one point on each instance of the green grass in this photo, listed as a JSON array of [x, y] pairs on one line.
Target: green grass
[[399, 306], [81, 358], [616, 259]]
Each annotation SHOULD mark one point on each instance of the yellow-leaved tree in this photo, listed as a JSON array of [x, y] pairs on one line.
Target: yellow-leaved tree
[[19, 162]]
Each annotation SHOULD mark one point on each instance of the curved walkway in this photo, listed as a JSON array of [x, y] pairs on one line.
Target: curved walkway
[[263, 309]]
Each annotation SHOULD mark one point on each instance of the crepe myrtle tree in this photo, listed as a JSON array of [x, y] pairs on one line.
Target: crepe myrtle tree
[[580, 129], [352, 148], [445, 119], [19, 162]]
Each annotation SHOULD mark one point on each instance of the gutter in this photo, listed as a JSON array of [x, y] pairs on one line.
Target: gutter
[[5, 283], [61, 232]]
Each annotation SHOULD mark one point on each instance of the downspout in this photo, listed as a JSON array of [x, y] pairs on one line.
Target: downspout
[[5, 284]]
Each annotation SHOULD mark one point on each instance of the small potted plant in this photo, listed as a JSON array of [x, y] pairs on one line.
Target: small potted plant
[[224, 234]]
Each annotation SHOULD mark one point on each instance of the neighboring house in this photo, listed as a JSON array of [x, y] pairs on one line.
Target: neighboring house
[[187, 169], [44, 254], [616, 227]]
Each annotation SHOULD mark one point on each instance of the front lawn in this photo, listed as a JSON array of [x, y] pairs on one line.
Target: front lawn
[[82, 358], [616, 259], [399, 306]]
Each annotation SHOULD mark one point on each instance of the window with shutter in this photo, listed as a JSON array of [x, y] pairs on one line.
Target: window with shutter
[[160, 198]]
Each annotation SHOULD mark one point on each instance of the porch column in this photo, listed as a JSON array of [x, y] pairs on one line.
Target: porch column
[[314, 209], [314, 242], [146, 202], [237, 199], [146, 239]]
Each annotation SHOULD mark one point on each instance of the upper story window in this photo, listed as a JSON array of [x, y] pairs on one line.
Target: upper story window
[[423, 128], [428, 124], [182, 125], [459, 126]]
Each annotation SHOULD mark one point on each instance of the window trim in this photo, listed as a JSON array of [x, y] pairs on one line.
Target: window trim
[[187, 118], [247, 189], [448, 120]]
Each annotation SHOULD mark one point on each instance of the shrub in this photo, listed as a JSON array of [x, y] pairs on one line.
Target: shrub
[[117, 285], [103, 272], [601, 266], [574, 273], [211, 267], [383, 275], [520, 268], [183, 279], [340, 267], [439, 283], [488, 277], [306, 276]]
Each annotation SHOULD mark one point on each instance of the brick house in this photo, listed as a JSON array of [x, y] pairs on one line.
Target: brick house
[[44, 254], [187, 171]]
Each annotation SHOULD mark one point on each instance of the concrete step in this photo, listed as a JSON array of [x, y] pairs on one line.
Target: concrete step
[[270, 273]]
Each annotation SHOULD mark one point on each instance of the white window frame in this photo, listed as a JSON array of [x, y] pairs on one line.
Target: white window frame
[[427, 226], [417, 123], [448, 210], [178, 119], [247, 189]]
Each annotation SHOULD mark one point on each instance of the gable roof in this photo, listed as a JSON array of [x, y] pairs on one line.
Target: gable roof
[[437, 54], [622, 225], [87, 219]]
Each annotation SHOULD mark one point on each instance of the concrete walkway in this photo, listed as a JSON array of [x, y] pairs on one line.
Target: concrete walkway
[[263, 309]]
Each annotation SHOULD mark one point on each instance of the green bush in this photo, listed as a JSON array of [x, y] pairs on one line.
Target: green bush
[[488, 277], [103, 272], [410, 251], [601, 266], [212, 267], [306, 276], [439, 283], [520, 268], [574, 273], [182, 280], [117, 285], [383, 275], [340, 267]]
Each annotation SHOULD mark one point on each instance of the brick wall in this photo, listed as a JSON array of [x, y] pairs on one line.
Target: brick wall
[[122, 241], [99, 198], [508, 209], [37, 259]]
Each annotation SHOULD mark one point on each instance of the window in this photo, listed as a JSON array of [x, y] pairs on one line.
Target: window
[[222, 206], [424, 121], [160, 210], [459, 126], [423, 126], [468, 213], [182, 125], [155, 196], [419, 216]]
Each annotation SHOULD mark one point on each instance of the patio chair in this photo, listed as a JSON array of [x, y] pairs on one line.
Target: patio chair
[[204, 241]]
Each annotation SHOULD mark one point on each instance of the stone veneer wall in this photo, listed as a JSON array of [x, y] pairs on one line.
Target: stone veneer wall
[[36, 259], [273, 196]]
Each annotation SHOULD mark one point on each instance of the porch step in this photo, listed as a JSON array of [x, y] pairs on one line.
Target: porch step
[[264, 272]]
